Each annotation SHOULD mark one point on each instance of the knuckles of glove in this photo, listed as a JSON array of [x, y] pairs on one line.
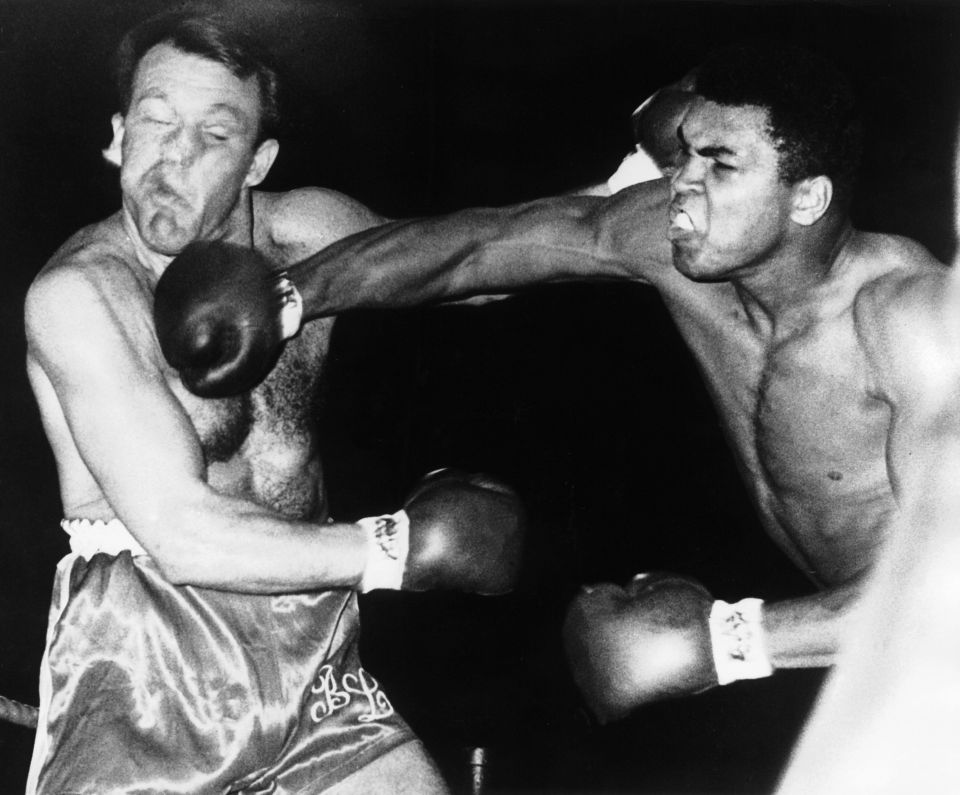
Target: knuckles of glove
[[466, 534], [215, 314], [626, 647]]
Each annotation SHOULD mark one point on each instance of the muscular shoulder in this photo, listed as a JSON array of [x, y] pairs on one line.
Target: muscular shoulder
[[897, 277], [91, 281], [299, 222], [905, 311]]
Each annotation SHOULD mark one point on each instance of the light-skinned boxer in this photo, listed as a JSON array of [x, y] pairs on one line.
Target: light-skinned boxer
[[204, 627], [792, 314]]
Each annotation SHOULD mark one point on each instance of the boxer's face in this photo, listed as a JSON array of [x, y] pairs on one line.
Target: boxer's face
[[186, 148], [729, 209]]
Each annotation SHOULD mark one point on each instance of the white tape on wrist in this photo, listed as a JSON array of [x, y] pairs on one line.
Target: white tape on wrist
[[739, 649], [291, 306], [389, 543]]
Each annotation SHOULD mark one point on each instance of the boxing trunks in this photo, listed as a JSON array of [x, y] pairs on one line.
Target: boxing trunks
[[151, 687]]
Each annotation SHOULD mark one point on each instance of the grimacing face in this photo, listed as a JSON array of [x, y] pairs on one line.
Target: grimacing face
[[186, 148], [729, 208]]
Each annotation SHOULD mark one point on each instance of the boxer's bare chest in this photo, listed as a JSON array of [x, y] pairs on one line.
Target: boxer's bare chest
[[808, 430], [262, 445]]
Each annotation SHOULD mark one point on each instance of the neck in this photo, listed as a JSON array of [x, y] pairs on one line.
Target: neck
[[779, 285]]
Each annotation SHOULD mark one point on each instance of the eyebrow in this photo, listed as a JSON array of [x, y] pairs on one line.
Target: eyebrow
[[221, 107], [705, 151], [236, 115]]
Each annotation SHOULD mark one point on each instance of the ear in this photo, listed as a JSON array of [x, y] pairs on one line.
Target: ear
[[262, 161], [811, 199], [113, 154]]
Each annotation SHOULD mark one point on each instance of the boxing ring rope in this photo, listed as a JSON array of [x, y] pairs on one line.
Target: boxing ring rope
[[15, 712]]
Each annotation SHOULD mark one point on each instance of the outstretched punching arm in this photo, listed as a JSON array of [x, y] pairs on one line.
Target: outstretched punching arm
[[500, 250], [222, 312]]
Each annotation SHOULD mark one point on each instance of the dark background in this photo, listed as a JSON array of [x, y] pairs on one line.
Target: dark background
[[583, 396]]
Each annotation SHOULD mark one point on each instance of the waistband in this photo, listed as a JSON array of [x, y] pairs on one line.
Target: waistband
[[87, 537]]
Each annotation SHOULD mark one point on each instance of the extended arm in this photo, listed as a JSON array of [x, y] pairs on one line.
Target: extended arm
[[223, 313], [478, 251]]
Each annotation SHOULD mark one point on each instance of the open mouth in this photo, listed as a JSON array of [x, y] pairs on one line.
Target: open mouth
[[681, 221]]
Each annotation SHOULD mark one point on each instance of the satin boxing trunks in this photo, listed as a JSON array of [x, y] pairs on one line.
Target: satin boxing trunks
[[150, 687]]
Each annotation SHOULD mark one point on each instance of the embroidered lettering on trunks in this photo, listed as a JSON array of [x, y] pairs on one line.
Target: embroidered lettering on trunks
[[335, 695]]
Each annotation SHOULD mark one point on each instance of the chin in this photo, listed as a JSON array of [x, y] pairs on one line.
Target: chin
[[166, 238], [694, 266]]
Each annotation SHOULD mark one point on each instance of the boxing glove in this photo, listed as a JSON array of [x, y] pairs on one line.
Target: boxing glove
[[656, 121], [457, 531], [650, 640], [222, 316]]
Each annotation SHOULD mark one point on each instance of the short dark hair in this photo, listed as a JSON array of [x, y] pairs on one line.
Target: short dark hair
[[812, 112], [209, 34]]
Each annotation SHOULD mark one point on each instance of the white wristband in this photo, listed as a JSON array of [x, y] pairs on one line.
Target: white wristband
[[736, 632], [389, 543], [291, 306]]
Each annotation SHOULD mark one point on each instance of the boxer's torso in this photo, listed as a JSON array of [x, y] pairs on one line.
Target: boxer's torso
[[803, 407], [262, 445]]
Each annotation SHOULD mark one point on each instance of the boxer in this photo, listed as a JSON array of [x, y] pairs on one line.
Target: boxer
[[204, 627]]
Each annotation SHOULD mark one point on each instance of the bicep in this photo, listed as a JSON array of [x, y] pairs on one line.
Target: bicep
[[130, 430], [622, 237], [910, 331]]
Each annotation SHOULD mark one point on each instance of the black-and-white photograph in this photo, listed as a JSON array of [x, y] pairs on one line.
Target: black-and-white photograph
[[481, 397]]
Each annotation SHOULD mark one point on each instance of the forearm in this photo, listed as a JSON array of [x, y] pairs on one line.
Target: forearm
[[231, 544], [805, 632], [483, 251], [411, 262]]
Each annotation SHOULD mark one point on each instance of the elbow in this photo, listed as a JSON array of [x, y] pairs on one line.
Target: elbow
[[176, 572], [166, 540], [174, 563]]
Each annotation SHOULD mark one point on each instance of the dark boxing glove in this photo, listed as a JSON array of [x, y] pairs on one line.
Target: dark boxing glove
[[456, 532], [222, 316], [656, 121], [659, 637]]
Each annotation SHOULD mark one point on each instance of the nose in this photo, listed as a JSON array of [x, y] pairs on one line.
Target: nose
[[181, 145], [688, 176]]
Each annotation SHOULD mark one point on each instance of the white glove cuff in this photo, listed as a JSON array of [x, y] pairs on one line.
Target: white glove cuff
[[291, 306], [736, 632], [389, 543], [635, 168]]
